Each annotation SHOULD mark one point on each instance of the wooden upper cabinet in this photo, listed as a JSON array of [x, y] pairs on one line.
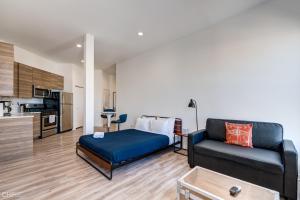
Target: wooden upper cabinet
[[47, 80], [25, 81], [6, 69], [52, 80], [39, 78], [59, 82], [16, 79]]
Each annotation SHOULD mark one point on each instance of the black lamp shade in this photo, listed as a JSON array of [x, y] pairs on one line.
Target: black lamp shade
[[192, 104]]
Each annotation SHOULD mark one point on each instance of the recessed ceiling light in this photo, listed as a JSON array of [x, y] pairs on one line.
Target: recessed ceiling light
[[79, 45], [140, 34], [82, 61]]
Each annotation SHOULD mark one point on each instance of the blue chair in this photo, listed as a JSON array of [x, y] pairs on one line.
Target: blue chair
[[122, 119]]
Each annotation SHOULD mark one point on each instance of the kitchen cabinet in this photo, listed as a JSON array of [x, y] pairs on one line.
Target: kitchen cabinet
[[59, 80], [38, 78], [47, 80], [16, 79], [16, 137], [36, 125], [7, 69], [25, 81], [55, 81], [52, 80]]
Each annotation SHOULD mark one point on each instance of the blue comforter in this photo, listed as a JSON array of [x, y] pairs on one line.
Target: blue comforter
[[125, 144]]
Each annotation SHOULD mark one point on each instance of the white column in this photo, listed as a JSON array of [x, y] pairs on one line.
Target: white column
[[88, 126]]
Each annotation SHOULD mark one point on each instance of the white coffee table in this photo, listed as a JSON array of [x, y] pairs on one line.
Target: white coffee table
[[201, 183]]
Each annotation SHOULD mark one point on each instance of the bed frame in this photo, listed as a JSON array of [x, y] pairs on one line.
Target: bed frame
[[106, 167]]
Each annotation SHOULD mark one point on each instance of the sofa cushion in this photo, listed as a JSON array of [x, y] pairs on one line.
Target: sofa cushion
[[262, 159], [264, 135]]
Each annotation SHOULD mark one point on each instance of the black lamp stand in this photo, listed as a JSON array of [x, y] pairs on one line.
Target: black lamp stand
[[193, 104]]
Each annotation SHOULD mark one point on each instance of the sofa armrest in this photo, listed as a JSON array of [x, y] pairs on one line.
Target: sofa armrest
[[290, 158], [194, 138]]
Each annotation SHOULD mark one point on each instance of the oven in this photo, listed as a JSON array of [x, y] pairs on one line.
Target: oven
[[49, 117], [49, 123]]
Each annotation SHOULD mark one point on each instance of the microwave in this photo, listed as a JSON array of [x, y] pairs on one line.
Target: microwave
[[41, 92]]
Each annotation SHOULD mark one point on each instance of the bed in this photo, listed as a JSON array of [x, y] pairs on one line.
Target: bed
[[121, 147]]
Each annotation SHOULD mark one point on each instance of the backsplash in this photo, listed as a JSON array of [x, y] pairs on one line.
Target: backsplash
[[17, 101]]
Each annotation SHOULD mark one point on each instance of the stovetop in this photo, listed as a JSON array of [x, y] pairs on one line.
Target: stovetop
[[40, 108], [43, 111], [49, 112]]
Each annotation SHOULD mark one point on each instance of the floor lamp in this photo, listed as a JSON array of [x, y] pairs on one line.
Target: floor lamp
[[193, 104]]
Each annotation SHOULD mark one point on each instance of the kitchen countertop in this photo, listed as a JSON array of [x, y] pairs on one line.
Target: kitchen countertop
[[17, 115]]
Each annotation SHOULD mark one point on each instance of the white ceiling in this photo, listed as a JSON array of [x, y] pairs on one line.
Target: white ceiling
[[53, 27]]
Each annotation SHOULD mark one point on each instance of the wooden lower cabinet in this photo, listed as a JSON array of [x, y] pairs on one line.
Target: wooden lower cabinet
[[16, 138], [36, 125]]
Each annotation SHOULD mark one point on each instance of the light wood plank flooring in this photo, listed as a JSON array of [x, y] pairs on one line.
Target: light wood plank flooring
[[55, 172]]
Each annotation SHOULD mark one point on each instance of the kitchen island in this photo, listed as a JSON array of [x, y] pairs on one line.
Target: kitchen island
[[16, 137]]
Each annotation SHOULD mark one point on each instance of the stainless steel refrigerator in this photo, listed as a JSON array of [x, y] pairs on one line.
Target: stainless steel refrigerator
[[66, 111]]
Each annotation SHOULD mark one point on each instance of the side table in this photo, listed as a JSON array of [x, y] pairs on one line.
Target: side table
[[178, 146]]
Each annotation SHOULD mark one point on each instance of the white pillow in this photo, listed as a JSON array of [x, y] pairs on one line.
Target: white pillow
[[159, 126], [146, 117], [142, 124], [171, 125]]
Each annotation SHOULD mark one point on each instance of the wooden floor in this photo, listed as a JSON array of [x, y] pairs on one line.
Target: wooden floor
[[55, 172]]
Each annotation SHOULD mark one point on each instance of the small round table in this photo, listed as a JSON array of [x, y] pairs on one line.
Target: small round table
[[108, 115]]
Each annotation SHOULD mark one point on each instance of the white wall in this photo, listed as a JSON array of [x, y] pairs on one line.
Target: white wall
[[78, 81], [247, 67], [109, 83]]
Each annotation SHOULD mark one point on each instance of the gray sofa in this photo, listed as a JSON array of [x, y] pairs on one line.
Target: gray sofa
[[272, 163]]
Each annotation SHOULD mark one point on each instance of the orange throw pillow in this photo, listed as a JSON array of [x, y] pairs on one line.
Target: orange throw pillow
[[239, 134]]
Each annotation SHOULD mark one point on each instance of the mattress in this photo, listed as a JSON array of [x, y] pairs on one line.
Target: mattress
[[124, 145]]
